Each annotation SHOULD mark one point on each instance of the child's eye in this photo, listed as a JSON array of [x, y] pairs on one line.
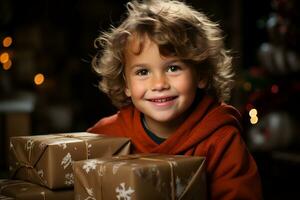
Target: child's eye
[[142, 72], [173, 68]]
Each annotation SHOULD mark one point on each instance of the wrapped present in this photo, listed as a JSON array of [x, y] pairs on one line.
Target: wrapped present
[[47, 159], [147, 177], [22, 190]]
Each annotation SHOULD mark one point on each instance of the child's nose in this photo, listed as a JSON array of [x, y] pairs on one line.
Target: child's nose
[[160, 82]]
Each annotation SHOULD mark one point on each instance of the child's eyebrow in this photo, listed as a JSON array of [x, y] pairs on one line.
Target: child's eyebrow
[[166, 63], [138, 65]]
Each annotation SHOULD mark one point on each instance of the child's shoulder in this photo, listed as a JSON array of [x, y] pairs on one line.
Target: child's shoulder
[[224, 110]]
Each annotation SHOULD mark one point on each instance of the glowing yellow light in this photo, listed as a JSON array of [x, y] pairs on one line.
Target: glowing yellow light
[[4, 57], [7, 41], [7, 65], [247, 86], [254, 120], [39, 79], [253, 112]]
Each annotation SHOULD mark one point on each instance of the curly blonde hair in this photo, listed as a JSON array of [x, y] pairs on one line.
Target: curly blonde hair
[[178, 30]]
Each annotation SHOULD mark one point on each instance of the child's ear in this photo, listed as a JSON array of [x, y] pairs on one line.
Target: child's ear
[[202, 83], [127, 92]]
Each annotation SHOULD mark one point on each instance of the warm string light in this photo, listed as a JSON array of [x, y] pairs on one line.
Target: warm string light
[[4, 57], [254, 120], [252, 112], [7, 65], [253, 116], [7, 41], [39, 79]]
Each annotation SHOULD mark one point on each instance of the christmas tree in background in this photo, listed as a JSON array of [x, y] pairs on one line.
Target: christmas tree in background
[[272, 88]]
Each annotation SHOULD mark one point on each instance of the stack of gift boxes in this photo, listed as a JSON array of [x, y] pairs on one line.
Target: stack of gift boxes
[[90, 166]]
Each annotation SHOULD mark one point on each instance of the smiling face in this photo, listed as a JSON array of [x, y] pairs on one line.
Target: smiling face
[[163, 88]]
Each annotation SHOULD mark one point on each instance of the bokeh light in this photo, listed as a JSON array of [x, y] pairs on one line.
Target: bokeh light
[[4, 57], [254, 120], [274, 89], [7, 65], [39, 79], [252, 112], [7, 41]]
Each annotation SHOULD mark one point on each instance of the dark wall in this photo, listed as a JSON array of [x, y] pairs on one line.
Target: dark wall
[[56, 38]]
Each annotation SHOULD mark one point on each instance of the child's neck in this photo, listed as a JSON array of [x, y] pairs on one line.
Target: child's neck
[[163, 129]]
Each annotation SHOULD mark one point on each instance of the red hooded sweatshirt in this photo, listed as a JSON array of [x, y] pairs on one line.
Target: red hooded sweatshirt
[[212, 130]]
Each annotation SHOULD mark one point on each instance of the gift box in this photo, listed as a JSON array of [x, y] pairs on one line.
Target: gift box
[[47, 159], [22, 190], [135, 177]]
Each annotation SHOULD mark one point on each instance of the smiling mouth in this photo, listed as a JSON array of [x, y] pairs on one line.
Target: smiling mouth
[[162, 100]]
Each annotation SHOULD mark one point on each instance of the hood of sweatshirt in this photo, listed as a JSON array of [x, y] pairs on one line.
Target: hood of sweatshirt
[[207, 117]]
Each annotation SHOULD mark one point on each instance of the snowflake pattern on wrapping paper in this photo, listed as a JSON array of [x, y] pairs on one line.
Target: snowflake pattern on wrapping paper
[[90, 193], [89, 146], [152, 175], [42, 145], [29, 145], [90, 164], [69, 179], [117, 166], [41, 173], [63, 145], [122, 193], [66, 161], [101, 170], [147, 173]]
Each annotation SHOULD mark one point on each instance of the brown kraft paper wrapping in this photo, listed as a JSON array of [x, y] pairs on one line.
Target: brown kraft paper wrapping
[[141, 177], [22, 190], [2, 197], [47, 159]]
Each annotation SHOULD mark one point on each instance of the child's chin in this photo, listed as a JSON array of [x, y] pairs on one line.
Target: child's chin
[[163, 118]]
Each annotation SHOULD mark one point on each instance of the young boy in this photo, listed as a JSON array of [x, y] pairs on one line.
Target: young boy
[[166, 68]]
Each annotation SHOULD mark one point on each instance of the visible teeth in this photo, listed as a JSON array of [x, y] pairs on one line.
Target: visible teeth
[[162, 100]]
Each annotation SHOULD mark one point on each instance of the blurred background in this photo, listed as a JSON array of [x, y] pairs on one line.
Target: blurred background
[[47, 84]]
